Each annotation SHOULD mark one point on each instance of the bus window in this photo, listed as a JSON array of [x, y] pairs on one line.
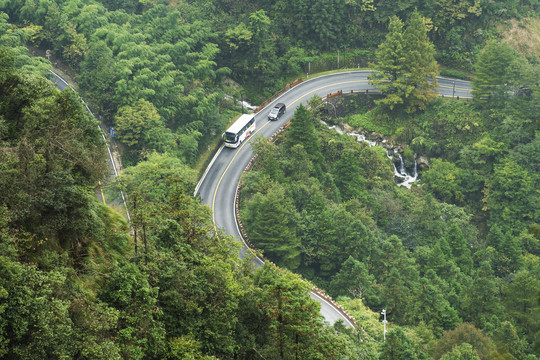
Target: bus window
[[230, 137]]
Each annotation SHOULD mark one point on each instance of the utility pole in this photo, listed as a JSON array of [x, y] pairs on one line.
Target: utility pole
[[383, 312], [338, 59], [453, 88], [242, 97]]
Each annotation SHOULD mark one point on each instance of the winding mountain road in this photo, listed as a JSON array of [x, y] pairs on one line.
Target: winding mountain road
[[217, 188], [62, 84]]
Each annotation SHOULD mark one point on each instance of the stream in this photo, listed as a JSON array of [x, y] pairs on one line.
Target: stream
[[403, 176]]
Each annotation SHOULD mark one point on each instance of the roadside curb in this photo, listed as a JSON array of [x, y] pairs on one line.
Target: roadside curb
[[318, 292], [207, 170]]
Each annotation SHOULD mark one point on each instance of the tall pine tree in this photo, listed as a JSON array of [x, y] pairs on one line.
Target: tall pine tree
[[272, 227], [490, 73], [389, 66], [302, 131], [406, 66], [421, 68]]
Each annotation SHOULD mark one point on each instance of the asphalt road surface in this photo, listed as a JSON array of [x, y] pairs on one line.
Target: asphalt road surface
[[218, 186]]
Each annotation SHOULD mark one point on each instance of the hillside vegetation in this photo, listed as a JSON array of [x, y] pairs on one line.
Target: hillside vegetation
[[524, 37], [454, 260], [76, 284]]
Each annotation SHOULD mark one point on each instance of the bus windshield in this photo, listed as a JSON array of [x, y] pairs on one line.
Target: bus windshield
[[230, 137]]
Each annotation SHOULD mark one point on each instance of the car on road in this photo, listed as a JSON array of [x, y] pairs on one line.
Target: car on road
[[277, 111], [524, 91]]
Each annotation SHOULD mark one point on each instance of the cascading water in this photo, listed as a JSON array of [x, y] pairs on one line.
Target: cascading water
[[362, 138], [402, 177], [401, 165]]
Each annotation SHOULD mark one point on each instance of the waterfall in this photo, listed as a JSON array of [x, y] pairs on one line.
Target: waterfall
[[402, 177], [402, 170], [362, 138], [408, 182], [337, 128], [397, 173]]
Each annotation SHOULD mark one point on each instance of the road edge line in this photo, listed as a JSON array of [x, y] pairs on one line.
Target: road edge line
[[207, 170]]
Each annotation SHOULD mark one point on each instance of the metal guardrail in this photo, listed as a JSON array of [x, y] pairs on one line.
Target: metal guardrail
[[276, 95]]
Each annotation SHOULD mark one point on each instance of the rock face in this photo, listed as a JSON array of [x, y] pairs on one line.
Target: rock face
[[346, 128], [423, 163]]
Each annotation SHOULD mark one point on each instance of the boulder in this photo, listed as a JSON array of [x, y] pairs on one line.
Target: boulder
[[423, 163], [347, 129]]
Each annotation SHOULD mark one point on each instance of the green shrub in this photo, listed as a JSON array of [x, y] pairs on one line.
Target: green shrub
[[368, 122], [409, 155], [454, 74]]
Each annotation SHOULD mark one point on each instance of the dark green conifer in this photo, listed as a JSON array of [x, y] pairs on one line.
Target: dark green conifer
[[406, 66]]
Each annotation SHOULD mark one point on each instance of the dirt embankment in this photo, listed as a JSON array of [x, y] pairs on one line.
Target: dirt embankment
[[523, 36]]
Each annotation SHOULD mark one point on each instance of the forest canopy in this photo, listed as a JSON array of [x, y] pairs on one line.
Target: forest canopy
[[454, 260]]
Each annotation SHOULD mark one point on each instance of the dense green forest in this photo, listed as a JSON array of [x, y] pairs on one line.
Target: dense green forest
[[179, 57], [461, 248], [73, 282], [454, 260]]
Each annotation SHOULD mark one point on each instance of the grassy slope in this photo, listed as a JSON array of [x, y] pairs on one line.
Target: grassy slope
[[523, 36]]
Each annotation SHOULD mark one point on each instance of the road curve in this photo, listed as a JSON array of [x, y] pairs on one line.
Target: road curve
[[62, 84], [217, 188]]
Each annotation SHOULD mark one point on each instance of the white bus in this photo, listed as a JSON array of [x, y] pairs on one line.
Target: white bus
[[239, 131]]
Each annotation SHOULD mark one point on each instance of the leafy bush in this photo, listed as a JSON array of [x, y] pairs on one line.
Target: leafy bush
[[369, 122], [453, 74]]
